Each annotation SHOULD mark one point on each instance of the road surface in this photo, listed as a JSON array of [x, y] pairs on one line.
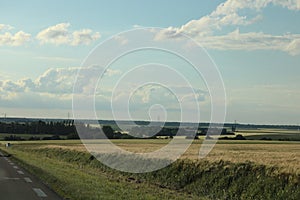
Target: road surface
[[17, 184]]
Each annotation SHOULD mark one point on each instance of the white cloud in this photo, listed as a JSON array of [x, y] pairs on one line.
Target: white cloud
[[54, 89], [27, 84], [5, 27], [225, 14], [12, 39], [51, 90], [57, 34], [233, 6], [60, 34], [11, 86], [252, 41], [294, 47], [228, 14], [290, 4], [85, 36], [58, 80]]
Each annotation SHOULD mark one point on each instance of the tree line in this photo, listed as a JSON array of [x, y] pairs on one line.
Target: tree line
[[39, 127], [67, 129]]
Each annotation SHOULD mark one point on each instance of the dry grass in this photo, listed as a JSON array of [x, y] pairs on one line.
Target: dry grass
[[286, 156], [76, 147]]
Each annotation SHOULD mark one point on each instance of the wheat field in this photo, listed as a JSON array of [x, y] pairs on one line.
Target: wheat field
[[284, 155]]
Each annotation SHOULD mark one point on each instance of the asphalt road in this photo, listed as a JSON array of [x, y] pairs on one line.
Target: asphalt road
[[17, 184]]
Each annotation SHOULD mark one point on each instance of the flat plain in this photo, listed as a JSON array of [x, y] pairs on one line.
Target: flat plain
[[69, 169]]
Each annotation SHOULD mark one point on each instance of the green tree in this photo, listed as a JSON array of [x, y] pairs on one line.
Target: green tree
[[108, 131]]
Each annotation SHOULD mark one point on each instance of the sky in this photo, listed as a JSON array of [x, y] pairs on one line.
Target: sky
[[255, 45]]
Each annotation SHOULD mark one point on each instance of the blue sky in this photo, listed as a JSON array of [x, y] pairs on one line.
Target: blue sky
[[255, 45]]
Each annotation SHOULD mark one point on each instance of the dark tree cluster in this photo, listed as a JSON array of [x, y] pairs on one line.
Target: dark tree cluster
[[60, 128]]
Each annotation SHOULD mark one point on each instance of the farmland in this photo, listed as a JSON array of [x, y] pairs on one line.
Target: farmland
[[284, 155], [254, 168]]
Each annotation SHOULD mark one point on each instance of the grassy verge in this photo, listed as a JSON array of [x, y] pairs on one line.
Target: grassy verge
[[76, 175]]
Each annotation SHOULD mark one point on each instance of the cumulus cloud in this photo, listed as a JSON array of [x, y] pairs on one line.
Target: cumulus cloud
[[52, 81], [60, 34], [5, 27], [12, 39], [228, 14], [58, 80], [27, 84], [11, 86], [57, 34], [54, 90], [152, 93], [85, 36]]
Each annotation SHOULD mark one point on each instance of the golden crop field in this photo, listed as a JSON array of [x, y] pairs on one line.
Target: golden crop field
[[64, 158], [284, 155]]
